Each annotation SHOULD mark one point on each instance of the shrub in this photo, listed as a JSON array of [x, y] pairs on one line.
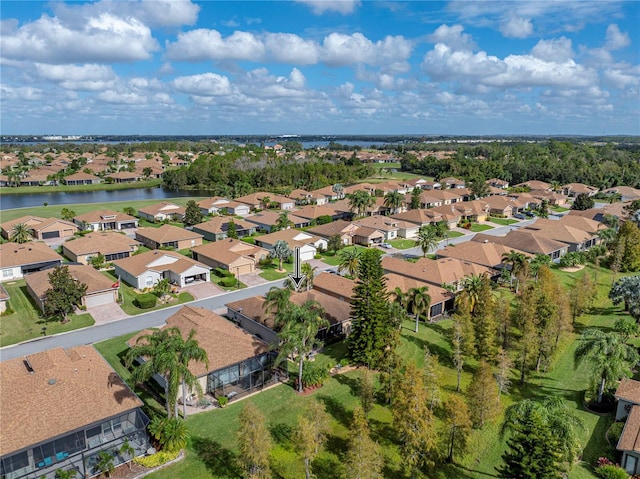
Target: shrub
[[228, 281], [222, 400], [615, 431], [157, 459], [611, 471], [313, 374], [222, 273], [572, 259], [145, 301], [7, 312]]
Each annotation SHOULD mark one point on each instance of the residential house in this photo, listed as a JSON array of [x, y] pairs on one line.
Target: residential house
[[40, 228], [37, 178], [628, 396], [168, 236], [328, 193], [239, 362], [427, 200], [446, 197], [250, 315], [63, 408], [576, 239], [451, 214], [111, 244], [100, 289], [500, 205], [82, 178], [534, 185], [498, 183], [103, 220], [574, 189], [256, 201], [17, 260], [452, 183], [303, 197], [217, 228], [440, 272], [345, 229], [267, 220], [231, 254], [525, 201], [528, 241], [124, 177], [385, 224], [368, 236], [410, 221], [423, 184], [313, 212], [627, 193], [308, 243], [144, 270], [554, 199], [162, 211], [4, 299], [483, 253], [441, 299], [476, 210], [334, 285], [215, 205]]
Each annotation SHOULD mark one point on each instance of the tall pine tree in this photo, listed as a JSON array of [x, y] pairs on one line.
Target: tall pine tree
[[373, 337]]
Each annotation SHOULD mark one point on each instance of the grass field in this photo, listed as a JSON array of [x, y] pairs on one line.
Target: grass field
[[502, 221], [402, 243], [334, 259], [271, 273], [212, 449], [477, 228], [26, 323], [21, 190]]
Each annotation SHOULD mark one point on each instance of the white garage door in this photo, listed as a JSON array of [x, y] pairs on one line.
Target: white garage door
[[306, 255], [99, 299]]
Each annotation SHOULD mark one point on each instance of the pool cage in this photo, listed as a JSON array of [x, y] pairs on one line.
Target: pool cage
[[246, 376]]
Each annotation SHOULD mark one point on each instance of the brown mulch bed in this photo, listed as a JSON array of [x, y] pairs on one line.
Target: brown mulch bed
[[123, 471]]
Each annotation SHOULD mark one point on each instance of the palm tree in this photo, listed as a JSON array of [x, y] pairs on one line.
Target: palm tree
[[609, 357], [189, 350], [283, 221], [277, 300], [146, 171], [419, 302], [309, 272], [359, 201], [471, 289], [427, 239], [162, 355], [393, 200], [538, 261], [21, 233], [280, 251], [338, 189], [561, 419], [519, 266], [67, 214], [265, 201], [14, 177], [298, 335], [349, 261]]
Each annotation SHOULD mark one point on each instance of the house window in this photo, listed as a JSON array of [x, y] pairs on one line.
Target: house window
[[149, 280], [630, 465], [7, 273]]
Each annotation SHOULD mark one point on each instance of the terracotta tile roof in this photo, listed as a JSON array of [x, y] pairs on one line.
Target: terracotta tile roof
[[630, 438], [138, 264], [104, 216], [166, 234], [67, 390], [14, 254], [219, 224], [437, 272], [224, 342], [29, 221], [94, 279], [486, 254], [107, 242], [629, 390]]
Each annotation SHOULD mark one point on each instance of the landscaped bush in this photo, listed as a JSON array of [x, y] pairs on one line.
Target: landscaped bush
[[614, 433], [313, 374], [228, 281], [611, 471], [222, 400], [145, 301], [157, 459], [572, 259], [222, 273]]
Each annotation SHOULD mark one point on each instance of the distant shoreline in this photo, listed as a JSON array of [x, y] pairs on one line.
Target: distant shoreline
[[29, 190]]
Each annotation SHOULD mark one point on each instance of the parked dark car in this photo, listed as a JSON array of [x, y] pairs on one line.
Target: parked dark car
[[519, 216]]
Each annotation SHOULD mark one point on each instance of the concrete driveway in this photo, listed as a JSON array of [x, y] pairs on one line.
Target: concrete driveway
[[201, 290], [107, 313]]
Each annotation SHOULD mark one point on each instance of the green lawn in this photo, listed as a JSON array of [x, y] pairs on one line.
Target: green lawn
[[216, 280], [101, 186], [54, 210], [402, 243], [271, 273], [334, 259], [128, 294], [26, 322], [559, 209], [502, 221], [477, 228], [455, 234]]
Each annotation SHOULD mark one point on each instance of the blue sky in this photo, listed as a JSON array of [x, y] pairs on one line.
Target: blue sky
[[320, 67]]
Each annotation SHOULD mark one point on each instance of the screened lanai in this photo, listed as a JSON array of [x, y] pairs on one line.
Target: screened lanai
[[244, 377]]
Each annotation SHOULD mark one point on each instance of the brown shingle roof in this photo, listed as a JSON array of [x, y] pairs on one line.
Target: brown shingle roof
[[486, 254], [95, 281], [102, 216], [162, 207], [66, 390], [215, 224], [138, 264], [630, 438], [437, 272], [629, 390], [334, 284], [107, 242], [523, 240], [166, 234], [224, 342], [14, 254], [229, 250]]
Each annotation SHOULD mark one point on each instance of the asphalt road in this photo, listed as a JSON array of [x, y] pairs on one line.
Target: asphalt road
[[156, 319]]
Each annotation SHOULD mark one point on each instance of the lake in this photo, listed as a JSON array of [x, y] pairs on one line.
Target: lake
[[8, 202]]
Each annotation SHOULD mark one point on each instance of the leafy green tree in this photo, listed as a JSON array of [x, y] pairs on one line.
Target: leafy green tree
[[334, 243], [232, 230], [170, 432], [457, 425], [254, 443], [537, 262], [366, 390], [309, 273], [582, 202], [283, 222], [431, 378], [476, 300], [627, 246], [482, 395], [532, 451], [281, 252], [626, 328], [311, 433], [128, 451], [608, 357], [265, 201], [147, 171], [372, 328], [518, 262], [478, 187], [363, 459], [350, 261], [129, 210], [66, 473], [416, 193], [192, 214], [21, 233], [298, 334], [414, 422], [581, 296], [503, 376], [394, 201], [457, 347], [97, 261], [427, 239], [104, 463], [64, 295], [419, 302], [67, 214], [562, 420], [359, 201], [277, 300], [338, 189], [543, 209], [188, 350]]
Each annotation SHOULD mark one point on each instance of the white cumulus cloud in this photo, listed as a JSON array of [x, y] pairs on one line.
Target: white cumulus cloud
[[555, 50], [339, 49], [205, 84], [615, 39], [517, 27], [291, 48], [203, 44], [319, 7], [452, 37]]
